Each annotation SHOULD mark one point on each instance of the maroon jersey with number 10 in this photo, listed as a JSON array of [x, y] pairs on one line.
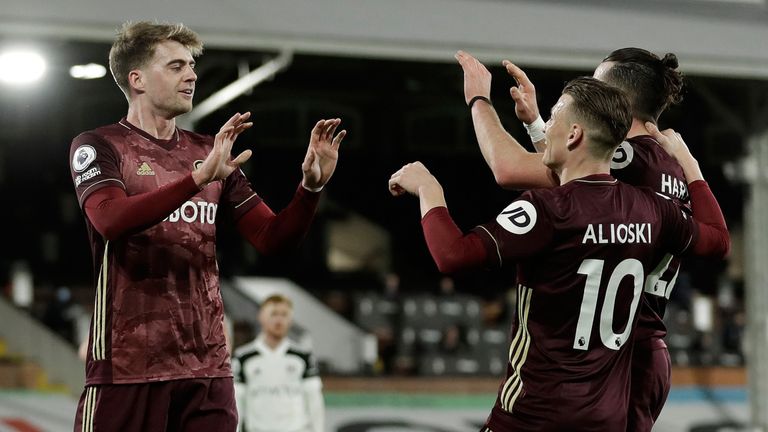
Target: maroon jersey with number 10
[[158, 313], [583, 253]]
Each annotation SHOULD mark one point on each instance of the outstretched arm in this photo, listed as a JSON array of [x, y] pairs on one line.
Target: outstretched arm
[[512, 165], [451, 250], [713, 238], [274, 233], [113, 213]]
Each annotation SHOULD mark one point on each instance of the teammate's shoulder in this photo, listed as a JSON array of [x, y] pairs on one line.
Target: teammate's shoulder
[[541, 194], [635, 152], [649, 194], [548, 197], [644, 140], [628, 188], [646, 144], [540, 201]]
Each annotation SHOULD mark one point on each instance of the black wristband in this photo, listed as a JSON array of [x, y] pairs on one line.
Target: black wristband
[[477, 98]]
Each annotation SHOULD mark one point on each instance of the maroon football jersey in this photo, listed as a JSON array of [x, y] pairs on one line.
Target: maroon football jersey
[[158, 311], [640, 161], [583, 252]]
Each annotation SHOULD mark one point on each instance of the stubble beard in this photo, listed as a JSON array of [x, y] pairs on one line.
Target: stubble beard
[[181, 107], [176, 106]]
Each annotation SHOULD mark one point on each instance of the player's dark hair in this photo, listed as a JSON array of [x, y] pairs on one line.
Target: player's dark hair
[[652, 83], [135, 45], [604, 109]]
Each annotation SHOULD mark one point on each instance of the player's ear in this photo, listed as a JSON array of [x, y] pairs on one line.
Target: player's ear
[[136, 80], [575, 137]]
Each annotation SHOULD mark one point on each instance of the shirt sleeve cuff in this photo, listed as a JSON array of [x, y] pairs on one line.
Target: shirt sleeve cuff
[[314, 190], [307, 195], [435, 212]]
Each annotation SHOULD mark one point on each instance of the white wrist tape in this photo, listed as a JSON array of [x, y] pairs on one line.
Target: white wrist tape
[[535, 129]]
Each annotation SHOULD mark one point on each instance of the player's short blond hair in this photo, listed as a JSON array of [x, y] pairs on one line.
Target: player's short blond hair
[[135, 45], [277, 299]]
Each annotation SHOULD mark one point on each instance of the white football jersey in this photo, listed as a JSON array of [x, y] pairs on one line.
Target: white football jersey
[[277, 390]]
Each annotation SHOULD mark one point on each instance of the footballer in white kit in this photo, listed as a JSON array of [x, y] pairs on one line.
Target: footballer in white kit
[[277, 385]]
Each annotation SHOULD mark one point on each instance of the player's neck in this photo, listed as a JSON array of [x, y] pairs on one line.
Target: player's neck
[[150, 122], [272, 341], [638, 128], [583, 168]]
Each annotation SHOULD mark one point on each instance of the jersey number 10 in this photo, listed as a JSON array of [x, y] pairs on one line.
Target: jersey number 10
[[593, 269]]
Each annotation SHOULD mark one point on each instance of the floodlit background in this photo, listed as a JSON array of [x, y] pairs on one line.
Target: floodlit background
[[401, 347]]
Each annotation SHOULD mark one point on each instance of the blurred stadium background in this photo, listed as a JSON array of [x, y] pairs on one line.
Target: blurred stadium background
[[401, 347]]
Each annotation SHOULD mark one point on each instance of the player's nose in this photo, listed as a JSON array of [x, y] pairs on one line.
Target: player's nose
[[191, 75]]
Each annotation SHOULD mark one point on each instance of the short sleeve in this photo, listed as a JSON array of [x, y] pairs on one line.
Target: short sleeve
[[94, 164], [521, 230], [238, 194], [679, 229]]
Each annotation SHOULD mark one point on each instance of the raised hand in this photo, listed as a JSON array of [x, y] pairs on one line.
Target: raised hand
[[477, 78], [524, 94], [416, 179], [322, 154], [219, 164], [411, 178]]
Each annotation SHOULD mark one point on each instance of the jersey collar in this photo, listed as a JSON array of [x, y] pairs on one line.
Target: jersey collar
[[642, 140], [166, 144], [282, 348], [603, 179]]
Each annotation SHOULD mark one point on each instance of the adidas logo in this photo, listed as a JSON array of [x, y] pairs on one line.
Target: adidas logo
[[145, 170]]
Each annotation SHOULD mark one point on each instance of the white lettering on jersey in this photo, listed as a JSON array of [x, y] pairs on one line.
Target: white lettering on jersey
[[617, 233], [91, 173], [655, 285], [673, 187], [276, 391], [623, 156], [191, 211], [518, 218], [84, 156]]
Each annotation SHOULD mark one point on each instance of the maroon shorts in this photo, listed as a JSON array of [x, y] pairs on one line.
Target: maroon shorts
[[200, 404], [651, 373]]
